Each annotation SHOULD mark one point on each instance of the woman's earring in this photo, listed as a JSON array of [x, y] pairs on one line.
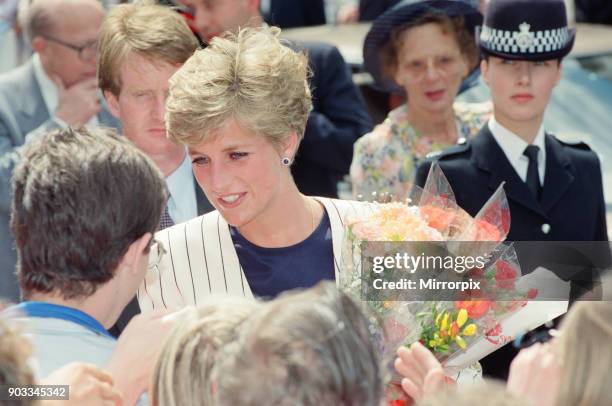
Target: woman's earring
[[286, 161]]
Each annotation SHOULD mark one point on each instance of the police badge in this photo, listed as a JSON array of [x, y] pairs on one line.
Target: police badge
[[524, 38]]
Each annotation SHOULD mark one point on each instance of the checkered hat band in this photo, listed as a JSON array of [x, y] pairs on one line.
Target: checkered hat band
[[524, 41]]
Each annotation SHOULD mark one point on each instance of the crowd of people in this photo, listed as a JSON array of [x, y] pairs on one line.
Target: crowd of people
[[170, 230]]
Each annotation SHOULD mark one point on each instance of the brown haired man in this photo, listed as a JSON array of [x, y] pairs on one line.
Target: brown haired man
[[85, 206], [140, 48]]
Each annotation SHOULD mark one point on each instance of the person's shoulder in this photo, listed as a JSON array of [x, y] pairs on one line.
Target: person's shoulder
[[183, 230], [13, 79], [344, 208], [319, 53], [461, 150], [578, 151]]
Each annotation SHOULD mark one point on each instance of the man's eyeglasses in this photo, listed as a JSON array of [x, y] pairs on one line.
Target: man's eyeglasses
[[156, 248], [86, 52]]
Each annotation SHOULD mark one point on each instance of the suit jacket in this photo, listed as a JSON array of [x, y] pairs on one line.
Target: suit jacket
[[202, 261], [22, 111], [296, 13], [338, 118], [571, 207], [564, 213]]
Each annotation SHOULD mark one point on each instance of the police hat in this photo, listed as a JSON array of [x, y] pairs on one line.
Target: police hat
[[533, 30]]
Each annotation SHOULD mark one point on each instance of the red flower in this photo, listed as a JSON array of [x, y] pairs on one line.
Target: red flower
[[436, 217], [475, 308], [476, 272], [486, 231], [505, 275], [532, 293]]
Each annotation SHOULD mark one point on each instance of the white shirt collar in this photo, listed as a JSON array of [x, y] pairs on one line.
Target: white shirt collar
[[514, 146], [182, 204], [47, 87], [49, 91]]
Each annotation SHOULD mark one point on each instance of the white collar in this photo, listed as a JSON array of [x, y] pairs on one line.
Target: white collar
[[514, 146], [47, 87], [182, 204]]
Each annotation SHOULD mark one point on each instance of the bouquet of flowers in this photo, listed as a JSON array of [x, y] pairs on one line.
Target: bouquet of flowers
[[450, 327]]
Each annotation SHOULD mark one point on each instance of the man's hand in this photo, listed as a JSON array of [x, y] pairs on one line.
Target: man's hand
[[89, 386], [535, 373], [135, 356], [78, 103], [422, 372]]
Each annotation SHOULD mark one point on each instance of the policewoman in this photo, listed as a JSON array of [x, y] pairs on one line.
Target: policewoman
[[554, 189]]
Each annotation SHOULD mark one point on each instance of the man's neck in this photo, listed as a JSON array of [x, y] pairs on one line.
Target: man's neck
[[99, 305], [526, 130], [169, 162]]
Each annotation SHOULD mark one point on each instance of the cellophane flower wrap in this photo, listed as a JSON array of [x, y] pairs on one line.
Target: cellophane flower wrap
[[447, 328]]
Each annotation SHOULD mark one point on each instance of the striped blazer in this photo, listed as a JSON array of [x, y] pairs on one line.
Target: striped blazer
[[201, 259]]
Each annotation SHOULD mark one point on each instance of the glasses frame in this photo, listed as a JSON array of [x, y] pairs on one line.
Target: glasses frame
[[159, 249], [79, 49]]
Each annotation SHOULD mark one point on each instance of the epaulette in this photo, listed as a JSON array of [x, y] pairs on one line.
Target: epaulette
[[573, 144], [462, 146]]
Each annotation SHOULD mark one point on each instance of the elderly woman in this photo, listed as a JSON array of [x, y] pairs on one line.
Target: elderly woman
[[183, 373], [241, 106], [425, 49]]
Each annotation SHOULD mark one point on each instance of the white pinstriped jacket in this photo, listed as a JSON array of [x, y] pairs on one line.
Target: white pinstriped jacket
[[201, 259]]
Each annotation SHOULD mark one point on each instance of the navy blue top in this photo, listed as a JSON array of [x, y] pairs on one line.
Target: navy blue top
[[271, 271]]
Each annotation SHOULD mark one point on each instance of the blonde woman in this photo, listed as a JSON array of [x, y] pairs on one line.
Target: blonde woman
[[241, 106], [183, 372], [424, 49]]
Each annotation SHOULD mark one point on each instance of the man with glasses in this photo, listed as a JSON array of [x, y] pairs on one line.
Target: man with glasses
[[83, 252], [56, 88]]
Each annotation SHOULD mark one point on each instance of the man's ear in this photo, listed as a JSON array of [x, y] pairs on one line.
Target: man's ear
[[39, 45], [113, 103], [135, 253]]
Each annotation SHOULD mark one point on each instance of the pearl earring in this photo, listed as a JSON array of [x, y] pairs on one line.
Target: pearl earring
[[286, 161]]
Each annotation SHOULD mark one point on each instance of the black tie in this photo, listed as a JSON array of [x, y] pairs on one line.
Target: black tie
[[533, 177]]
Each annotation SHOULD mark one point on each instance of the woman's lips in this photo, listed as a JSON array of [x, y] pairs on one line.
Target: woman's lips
[[230, 201], [522, 97], [435, 95]]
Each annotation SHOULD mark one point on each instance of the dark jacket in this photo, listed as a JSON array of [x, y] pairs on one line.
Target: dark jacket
[[339, 116], [571, 207]]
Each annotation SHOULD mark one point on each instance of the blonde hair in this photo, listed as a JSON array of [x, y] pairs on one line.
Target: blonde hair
[[14, 353], [152, 31], [308, 348], [249, 76], [586, 355], [182, 375]]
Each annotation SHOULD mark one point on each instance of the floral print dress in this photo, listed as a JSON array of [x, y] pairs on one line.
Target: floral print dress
[[385, 159]]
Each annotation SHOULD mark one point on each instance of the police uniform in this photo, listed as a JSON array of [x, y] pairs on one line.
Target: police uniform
[[569, 204]]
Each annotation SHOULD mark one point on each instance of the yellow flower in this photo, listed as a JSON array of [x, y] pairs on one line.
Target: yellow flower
[[469, 330], [462, 317], [438, 317], [444, 324], [460, 342], [387, 304], [432, 343]]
